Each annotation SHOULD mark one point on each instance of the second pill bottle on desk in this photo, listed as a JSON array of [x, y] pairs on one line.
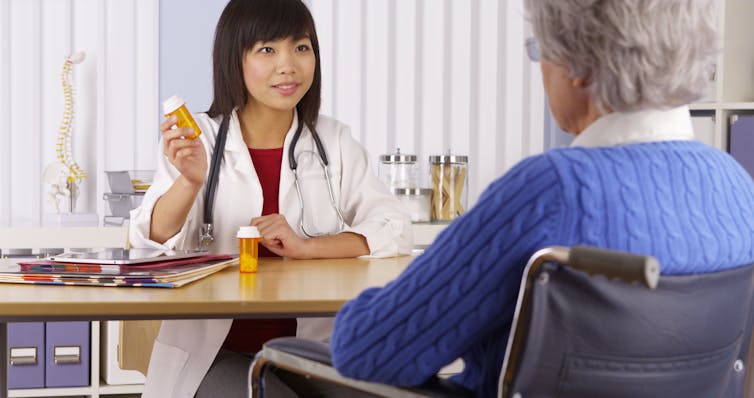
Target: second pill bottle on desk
[[248, 246], [176, 106]]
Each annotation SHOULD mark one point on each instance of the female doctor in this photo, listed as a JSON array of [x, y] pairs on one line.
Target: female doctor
[[299, 177]]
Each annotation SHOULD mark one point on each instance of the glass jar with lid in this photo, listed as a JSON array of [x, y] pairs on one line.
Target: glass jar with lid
[[449, 181], [399, 170], [417, 201]]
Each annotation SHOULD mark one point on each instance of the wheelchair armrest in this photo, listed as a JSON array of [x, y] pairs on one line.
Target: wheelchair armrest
[[615, 264], [313, 358], [308, 349]]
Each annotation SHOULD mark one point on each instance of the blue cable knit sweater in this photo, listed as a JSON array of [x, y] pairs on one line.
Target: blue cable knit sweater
[[688, 204]]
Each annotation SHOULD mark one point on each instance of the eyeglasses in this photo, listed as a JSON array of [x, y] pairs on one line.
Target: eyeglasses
[[532, 49]]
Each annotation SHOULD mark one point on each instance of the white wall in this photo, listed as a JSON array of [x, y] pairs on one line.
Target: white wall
[[422, 75], [431, 75], [187, 30]]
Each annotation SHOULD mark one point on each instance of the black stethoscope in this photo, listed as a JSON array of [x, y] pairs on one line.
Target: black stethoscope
[[206, 235]]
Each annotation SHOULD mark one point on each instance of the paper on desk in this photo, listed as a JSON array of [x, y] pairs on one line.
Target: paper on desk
[[165, 274]]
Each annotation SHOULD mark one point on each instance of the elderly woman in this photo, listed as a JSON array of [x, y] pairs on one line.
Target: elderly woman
[[618, 75]]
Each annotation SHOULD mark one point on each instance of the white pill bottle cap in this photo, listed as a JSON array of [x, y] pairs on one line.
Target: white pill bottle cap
[[248, 231], [171, 104]]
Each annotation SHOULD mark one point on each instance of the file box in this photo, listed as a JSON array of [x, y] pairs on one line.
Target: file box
[[26, 355], [67, 354]]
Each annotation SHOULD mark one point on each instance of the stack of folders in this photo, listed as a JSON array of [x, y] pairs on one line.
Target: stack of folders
[[171, 273]]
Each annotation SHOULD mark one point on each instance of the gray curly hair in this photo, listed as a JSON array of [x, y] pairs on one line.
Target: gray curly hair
[[636, 54]]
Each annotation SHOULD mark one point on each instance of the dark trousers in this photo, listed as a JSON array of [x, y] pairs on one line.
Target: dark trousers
[[227, 377]]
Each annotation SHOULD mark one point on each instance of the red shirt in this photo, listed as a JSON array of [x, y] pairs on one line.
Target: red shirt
[[248, 335]]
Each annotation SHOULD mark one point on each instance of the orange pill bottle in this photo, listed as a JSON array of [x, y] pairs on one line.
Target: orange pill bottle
[[175, 105], [248, 245]]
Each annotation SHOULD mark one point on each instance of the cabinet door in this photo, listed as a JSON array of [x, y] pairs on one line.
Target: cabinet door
[[742, 141], [111, 344]]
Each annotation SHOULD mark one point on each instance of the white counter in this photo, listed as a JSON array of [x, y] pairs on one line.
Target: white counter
[[81, 237]]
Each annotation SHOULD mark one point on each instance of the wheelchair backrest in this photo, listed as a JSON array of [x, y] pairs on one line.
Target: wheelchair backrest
[[591, 336]]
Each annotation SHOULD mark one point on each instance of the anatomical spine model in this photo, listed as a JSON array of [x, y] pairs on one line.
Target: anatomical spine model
[[64, 175]]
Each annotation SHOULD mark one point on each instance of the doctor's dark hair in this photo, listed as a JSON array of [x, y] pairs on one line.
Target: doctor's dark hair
[[244, 23]]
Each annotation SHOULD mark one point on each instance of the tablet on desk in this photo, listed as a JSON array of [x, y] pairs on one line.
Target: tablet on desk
[[125, 256]]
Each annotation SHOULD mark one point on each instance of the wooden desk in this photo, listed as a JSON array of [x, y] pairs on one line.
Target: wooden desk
[[281, 288]]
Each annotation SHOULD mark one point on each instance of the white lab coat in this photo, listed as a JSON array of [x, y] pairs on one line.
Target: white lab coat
[[184, 350]]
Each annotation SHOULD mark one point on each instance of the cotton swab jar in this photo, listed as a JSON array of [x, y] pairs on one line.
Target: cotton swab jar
[[449, 186]]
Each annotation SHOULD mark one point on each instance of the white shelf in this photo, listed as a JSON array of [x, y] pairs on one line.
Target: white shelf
[[737, 80], [734, 84], [713, 106], [425, 233], [52, 392], [100, 390], [69, 237], [13, 238], [738, 106], [106, 389], [97, 387], [704, 106]]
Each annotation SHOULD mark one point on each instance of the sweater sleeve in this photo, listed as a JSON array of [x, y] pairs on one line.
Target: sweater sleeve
[[454, 293]]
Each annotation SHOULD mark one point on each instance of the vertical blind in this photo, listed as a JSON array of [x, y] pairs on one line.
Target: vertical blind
[[116, 96], [432, 76], [425, 76]]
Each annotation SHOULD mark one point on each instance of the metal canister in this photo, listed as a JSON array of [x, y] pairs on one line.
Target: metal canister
[[449, 181], [399, 170], [417, 201]]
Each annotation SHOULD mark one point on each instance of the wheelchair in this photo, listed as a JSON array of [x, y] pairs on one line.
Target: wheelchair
[[590, 323]]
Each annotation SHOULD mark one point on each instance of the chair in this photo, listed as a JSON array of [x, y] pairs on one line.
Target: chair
[[593, 323]]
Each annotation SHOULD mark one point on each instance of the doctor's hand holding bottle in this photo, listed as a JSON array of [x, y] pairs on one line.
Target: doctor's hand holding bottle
[[190, 159], [186, 155]]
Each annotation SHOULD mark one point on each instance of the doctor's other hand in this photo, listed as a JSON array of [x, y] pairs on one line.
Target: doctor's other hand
[[186, 155], [279, 237]]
